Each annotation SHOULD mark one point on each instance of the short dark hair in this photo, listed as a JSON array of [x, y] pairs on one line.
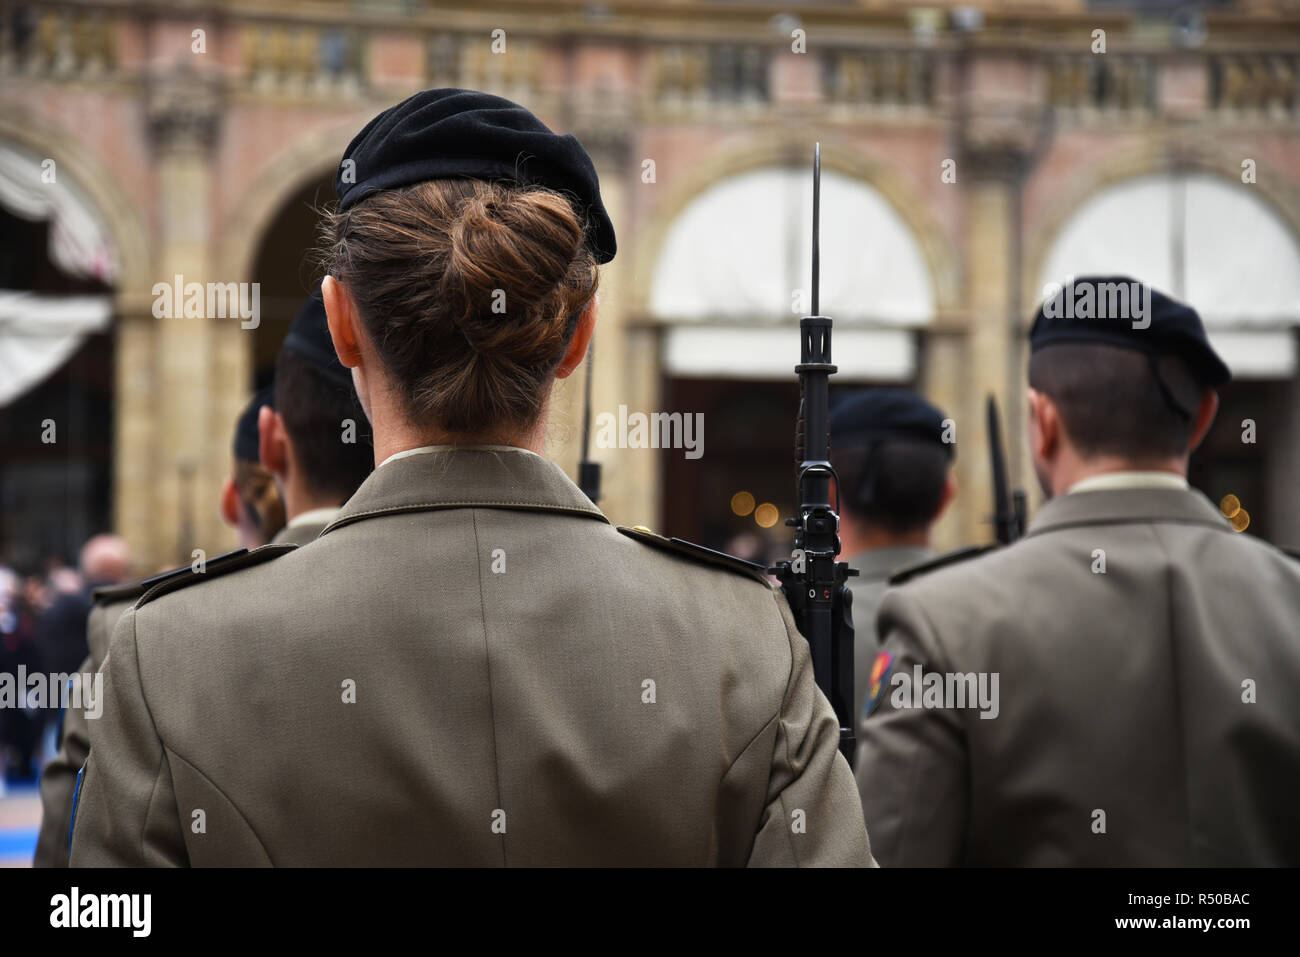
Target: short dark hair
[[1112, 404], [314, 408], [895, 484]]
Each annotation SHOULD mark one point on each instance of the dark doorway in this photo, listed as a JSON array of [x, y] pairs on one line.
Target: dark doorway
[[285, 270], [749, 436], [54, 495]]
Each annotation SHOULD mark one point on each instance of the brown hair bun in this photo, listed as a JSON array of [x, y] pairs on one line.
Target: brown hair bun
[[471, 292]]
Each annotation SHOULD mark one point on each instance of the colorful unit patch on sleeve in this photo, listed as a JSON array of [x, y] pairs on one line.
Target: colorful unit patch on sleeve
[[880, 669]]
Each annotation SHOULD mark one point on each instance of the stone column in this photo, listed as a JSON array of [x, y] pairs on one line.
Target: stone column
[[135, 445], [946, 381], [1002, 96], [192, 413]]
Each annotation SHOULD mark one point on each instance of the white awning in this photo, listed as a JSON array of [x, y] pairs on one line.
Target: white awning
[[39, 333], [33, 188]]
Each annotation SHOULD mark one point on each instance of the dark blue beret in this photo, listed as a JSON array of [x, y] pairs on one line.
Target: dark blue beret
[[869, 415], [309, 337], [1120, 311], [449, 133], [245, 446]]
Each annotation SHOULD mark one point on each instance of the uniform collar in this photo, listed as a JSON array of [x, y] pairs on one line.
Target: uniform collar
[[315, 516], [877, 564], [460, 477], [1128, 506], [424, 449], [1128, 479]]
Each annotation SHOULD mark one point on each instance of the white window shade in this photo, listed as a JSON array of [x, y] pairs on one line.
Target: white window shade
[[739, 251]]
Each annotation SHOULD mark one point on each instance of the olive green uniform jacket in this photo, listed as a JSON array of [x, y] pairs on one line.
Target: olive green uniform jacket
[[1148, 707], [470, 666], [59, 780]]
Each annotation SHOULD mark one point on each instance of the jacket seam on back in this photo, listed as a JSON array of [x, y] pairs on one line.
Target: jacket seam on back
[[487, 660], [1177, 690], [216, 787], [162, 748]]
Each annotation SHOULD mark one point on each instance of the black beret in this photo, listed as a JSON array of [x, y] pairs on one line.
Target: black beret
[[246, 446], [309, 337], [870, 415], [450, 133], [1120, 311]]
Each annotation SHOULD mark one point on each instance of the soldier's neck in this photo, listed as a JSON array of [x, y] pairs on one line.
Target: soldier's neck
[[857, 537], [1072, 470], [394, 432]]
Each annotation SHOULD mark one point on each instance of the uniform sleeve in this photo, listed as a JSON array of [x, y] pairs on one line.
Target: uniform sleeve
[[125, 812], [911, 763], [59, 783], [812, 817]]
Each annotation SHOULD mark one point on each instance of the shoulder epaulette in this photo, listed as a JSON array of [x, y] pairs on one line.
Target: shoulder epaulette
[[133, 590], [697, 552], [213, 568], [110, 593], [948, 558]]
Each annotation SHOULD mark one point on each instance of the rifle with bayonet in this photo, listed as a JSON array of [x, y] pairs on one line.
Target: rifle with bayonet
[[1010, 509], [814, 582]]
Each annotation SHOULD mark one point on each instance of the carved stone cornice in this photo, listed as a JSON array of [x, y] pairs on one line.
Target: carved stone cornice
[[183, 109], [997, 142]]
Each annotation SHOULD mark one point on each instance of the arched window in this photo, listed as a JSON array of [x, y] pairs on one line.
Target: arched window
[[733, 274]]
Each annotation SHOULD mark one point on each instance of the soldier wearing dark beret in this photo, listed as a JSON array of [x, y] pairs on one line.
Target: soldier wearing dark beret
[[251, 504], [301, 448], [893, 453], [470, 665], [1121, 686], [315, 438]]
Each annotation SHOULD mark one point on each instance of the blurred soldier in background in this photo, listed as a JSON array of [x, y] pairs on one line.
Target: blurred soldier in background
[[305, 440], [316, 440], [250, 499], [1122, 685], [250, 503], [893, 455]]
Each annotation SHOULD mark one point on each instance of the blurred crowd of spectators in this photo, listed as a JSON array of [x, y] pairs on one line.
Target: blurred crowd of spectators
[[43, 614]]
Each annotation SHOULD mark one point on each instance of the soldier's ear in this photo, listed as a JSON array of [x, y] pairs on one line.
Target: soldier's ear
[[341, 315], [272, 440], [577, 350], [1044, 424], [229, 502]]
